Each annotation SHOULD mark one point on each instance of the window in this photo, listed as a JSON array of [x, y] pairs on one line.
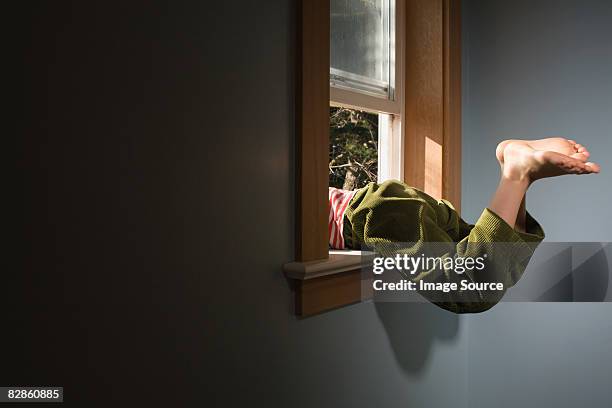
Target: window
[[366, 53], [418, 110]]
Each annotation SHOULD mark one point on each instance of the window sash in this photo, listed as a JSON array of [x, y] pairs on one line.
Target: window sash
[[358, 83], [376, 96], [390, 148], [372, 86]]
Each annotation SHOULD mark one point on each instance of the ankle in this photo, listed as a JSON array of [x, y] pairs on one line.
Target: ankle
[[516, 175]]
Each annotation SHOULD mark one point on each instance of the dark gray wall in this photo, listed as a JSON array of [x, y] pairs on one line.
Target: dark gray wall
[[533, 69], [155, 163]]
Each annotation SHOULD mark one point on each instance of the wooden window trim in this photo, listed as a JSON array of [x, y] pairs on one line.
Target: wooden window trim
[[431, 125]]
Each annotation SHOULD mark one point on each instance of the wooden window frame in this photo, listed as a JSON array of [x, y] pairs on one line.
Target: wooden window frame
[[431, 128]]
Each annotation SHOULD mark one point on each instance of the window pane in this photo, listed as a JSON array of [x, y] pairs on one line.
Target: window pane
[[360, 47], [353, 148]]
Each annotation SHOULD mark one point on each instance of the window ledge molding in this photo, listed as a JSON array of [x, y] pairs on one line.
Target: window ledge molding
[[338, 262]]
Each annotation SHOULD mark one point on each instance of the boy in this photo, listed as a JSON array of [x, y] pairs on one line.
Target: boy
[[392, 218]]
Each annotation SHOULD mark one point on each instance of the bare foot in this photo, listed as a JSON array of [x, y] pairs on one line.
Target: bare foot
[[521, 162], [560, 145]]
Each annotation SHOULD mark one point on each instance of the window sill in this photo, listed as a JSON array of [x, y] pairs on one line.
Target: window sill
[[331, 283], [339, 261]]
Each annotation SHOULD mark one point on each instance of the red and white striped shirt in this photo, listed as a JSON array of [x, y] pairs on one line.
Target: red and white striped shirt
[[338, 203]]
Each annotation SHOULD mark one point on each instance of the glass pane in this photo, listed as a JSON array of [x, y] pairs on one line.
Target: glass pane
[[360, 44], [353, 148]]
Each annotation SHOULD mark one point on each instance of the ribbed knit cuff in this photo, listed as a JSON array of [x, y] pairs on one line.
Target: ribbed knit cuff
[[497, 229], [533, 230], [521, 244], [502, 232]]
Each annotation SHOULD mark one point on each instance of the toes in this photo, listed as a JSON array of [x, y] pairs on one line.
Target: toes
[[580, 156], [593, 167], [575, 165], [581, 149]]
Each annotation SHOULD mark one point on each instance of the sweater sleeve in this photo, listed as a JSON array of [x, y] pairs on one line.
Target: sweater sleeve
[[416, 227]]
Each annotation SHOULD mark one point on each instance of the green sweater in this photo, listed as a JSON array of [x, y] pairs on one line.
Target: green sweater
[[393, 218]]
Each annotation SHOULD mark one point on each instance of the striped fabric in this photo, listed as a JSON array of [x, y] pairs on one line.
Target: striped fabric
[[338, 202]]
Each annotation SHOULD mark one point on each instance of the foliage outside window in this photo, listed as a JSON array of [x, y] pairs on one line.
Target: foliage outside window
[[353, 148]]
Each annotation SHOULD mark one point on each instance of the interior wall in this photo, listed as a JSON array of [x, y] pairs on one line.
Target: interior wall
[[156, 163], [533, 69]]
